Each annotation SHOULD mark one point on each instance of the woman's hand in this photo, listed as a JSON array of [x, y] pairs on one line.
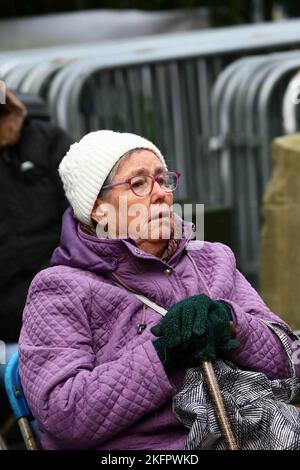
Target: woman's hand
[[194, 329]]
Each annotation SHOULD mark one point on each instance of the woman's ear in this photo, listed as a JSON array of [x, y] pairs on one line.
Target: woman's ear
[[97, 216]]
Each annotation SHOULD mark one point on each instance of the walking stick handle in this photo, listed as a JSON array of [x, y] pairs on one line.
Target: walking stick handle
[[217, 400]]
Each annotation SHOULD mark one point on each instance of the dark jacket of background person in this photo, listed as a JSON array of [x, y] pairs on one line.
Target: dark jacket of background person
[[31, 205]]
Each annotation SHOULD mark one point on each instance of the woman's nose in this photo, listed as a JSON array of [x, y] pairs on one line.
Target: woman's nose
[[158, 191]]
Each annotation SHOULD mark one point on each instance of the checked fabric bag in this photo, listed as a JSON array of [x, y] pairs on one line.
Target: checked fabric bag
[[259, 409]]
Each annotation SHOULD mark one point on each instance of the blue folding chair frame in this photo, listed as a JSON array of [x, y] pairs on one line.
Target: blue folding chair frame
[[18, 401]]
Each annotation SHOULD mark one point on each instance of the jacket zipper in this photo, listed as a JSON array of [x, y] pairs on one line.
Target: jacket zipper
[[143, 325]]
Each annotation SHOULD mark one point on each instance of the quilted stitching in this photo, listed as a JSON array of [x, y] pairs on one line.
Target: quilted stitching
[[90, 379], [74, 401]]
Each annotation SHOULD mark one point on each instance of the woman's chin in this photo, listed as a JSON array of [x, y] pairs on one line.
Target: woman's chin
[[161, 234]]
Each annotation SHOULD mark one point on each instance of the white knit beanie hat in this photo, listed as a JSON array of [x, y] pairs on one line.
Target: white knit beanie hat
[[88, 162]]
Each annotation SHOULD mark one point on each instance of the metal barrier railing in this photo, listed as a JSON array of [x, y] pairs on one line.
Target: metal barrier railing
[[206, 110], [247, 117]]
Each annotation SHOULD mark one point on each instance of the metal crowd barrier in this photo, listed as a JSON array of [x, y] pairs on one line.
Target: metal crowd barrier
[[209, 107], [248, 104]]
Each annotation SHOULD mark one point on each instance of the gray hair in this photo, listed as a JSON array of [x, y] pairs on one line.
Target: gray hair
[[111, 176]]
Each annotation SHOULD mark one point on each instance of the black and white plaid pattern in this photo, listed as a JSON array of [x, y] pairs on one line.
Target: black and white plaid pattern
[[258, 410]]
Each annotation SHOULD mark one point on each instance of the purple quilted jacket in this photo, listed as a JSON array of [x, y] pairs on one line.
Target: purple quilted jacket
[[91, 380]]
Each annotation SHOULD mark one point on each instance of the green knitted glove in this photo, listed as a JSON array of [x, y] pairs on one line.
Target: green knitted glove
[[193, 330]]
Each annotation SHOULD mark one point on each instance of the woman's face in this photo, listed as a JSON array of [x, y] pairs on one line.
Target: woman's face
[[148, 217]]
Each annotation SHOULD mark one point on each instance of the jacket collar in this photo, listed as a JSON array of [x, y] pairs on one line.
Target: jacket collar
[[81, 250]]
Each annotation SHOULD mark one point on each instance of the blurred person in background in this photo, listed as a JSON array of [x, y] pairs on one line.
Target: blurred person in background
[[31, 207]]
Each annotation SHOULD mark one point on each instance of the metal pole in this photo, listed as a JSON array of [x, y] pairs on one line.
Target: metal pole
[[217, 400], [27, 434]]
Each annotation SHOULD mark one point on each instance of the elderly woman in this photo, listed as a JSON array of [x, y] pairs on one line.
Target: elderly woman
[[98, 366]]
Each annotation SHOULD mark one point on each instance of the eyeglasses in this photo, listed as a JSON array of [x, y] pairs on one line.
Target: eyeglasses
[[143, 185]]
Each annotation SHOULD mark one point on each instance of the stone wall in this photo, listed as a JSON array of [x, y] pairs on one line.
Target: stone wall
[[280, 245]]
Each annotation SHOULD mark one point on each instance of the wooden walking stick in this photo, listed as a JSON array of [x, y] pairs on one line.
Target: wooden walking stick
[[217, 400], [210, 378]]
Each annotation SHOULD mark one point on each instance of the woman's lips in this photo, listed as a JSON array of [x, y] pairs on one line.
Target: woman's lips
[[160, 215]]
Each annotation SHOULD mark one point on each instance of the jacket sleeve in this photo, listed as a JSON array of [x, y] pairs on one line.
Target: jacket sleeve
[[259, 332], [79, 403]]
